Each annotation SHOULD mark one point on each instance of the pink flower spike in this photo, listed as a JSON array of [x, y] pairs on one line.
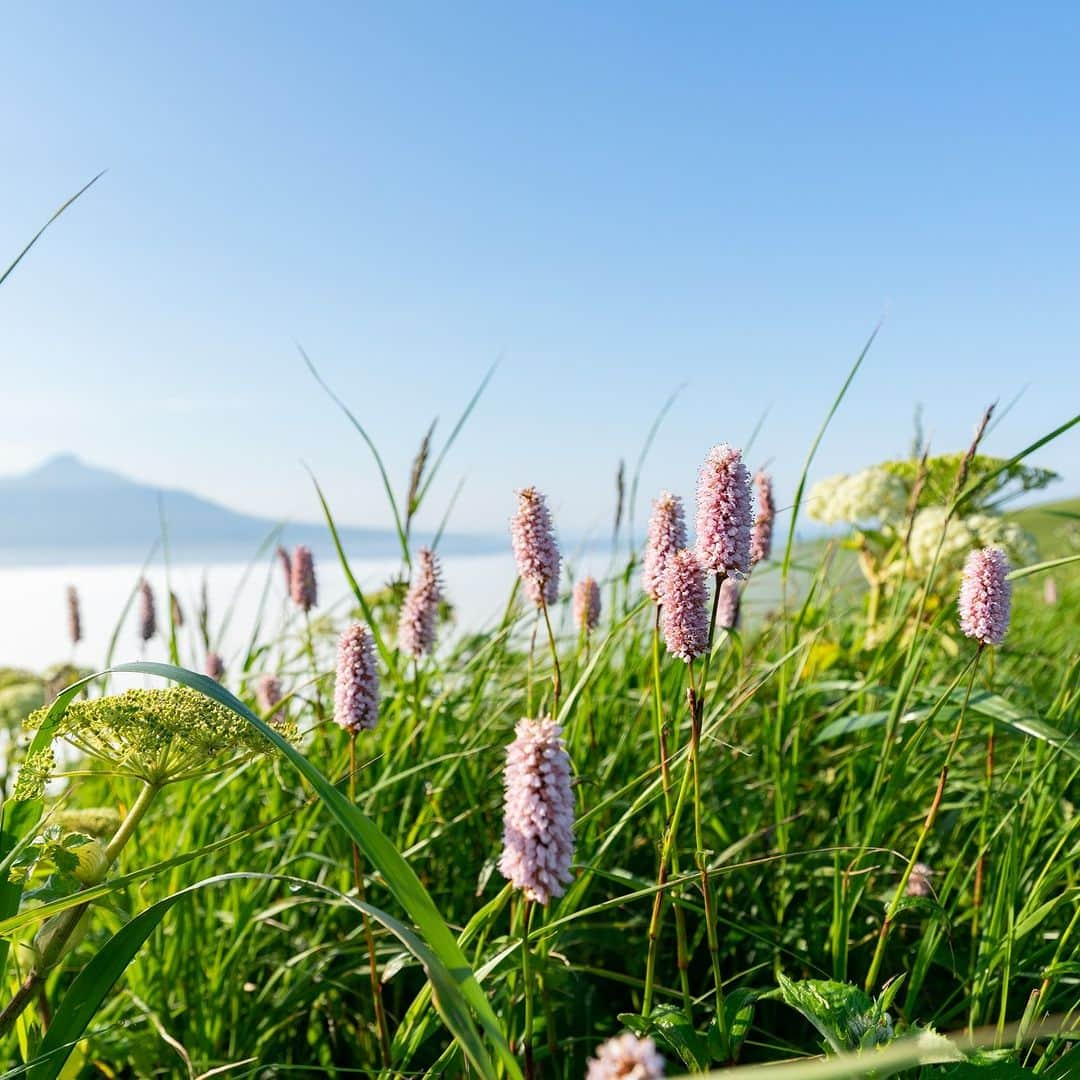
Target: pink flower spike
[[538, 811], [684, 617], [667, 534], [729, 604], [586, 604], [147, 612], [761, 536], [74, 618], [985, 596], [724, 516], [302, 584], [356, 690], [416, 622], [535, 550], [215, 666]]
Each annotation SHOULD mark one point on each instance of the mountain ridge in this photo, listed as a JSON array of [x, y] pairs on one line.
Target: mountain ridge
[[65, 510]]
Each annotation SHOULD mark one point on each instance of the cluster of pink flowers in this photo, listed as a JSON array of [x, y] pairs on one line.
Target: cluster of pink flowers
[[919, 883], [761, 536], [724, 514], [416, 623], [356, 690], [286, 567], [684, 617], [985, 596], [586, 604], [268, 695], [74, 618], [667, 534], [535, 550], [302, 578], [147, 612], [727, 607], [626, 1057], [215, 666], [538, 811]]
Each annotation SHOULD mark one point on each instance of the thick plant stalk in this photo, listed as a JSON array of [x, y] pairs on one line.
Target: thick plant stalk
[[65, 923], [358, 881]]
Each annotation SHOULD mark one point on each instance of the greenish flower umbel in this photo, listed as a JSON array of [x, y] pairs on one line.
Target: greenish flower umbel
[[158, 736]]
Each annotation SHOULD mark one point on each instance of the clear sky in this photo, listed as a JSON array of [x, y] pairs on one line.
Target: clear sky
[[616, 198]]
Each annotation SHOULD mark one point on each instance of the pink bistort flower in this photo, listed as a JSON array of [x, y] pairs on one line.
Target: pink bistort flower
[[985, 596], [684, 617], [724, 516], [538, 811], [356, 689], [667, 534], [416, 622], [586, 604], [535, 550]]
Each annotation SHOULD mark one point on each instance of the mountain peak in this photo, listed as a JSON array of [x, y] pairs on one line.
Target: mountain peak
[[65, 471]]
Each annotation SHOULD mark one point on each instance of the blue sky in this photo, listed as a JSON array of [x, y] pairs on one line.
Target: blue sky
[[618, 199]]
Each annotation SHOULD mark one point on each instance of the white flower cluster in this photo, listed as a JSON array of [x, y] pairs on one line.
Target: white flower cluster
[[872, 495], [964, 535]]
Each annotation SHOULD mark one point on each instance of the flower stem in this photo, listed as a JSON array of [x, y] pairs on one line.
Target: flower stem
[[924, 832], [358, 881], [556, 673], [63, 925], [527, 987]]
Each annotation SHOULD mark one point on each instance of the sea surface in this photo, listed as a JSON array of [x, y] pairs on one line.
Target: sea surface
[[34, 621]]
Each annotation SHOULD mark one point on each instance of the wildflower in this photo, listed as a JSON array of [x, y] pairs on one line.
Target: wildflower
[[286, 567], [74, 619], [1050, 591], [538, 811], [873, 495], [535, 549], [919, 883], [302, 578], [215, 666], [724, 516], [159, 736], [416, 623], [176, 609], [268, 694], [667, 534], [761, 536], [684, 618], [729, 604], [147, 614], [985, 596], [586, 604], [626, 1057], [356, 691]]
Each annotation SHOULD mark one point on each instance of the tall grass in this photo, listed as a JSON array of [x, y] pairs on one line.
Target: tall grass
[[230, 938]]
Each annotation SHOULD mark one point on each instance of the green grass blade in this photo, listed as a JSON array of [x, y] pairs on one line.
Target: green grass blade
[[1040, 568], [399, 877], [398, 525], [455, 432], [369, 618], [37, 236], [785, 566]]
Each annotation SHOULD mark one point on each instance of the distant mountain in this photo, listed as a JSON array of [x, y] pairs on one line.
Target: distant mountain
[[68, 511]]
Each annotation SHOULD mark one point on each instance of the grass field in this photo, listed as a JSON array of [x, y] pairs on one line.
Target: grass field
[[804, 903]]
